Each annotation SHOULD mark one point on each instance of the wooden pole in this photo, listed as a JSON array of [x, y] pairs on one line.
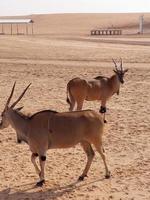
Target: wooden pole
[[27, 29], [32, 28], [11, 29], [17, 29], [2, 29]]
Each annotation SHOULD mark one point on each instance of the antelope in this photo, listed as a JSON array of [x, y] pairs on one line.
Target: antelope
[[100, 88], [49, 129]]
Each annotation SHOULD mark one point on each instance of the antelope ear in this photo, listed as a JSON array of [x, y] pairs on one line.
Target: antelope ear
[[126, 70], [20, 108]]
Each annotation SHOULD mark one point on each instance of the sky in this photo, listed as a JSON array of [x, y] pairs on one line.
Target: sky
[[27, 7]]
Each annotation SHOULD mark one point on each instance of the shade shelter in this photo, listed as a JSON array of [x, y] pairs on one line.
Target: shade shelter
[[14, 24]]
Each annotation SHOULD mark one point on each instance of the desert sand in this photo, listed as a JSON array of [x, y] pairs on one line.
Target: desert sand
[[60, 50]]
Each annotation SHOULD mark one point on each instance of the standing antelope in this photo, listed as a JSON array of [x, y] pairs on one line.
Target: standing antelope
[[100, 88], [49, 130]]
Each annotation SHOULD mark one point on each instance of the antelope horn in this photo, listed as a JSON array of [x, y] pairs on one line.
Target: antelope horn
[[121, 64], [13, 105], [115, 64], [11, 94]]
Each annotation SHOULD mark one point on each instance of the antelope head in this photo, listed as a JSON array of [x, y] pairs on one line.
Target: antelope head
[[119, 71], [9, 109]]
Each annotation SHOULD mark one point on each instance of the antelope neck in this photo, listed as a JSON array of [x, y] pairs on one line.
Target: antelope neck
[[20, 124], [114, 82]]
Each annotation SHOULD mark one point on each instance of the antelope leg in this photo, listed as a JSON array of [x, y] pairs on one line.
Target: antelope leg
[[90, 155]]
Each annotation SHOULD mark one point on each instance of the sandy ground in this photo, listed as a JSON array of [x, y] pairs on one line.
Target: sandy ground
[[49, 62]]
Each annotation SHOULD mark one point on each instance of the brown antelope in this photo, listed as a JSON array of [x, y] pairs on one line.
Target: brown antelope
[[49, 130], [100, 88]]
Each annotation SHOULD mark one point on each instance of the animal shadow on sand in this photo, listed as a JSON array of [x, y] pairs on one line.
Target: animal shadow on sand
[[36, 193]]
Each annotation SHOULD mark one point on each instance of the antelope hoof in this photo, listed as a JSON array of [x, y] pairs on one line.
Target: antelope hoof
[[81, 178], [105, 121], [107, 176], [40, 183]]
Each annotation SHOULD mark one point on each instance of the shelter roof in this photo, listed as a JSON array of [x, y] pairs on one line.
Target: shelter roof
[[16, 21]]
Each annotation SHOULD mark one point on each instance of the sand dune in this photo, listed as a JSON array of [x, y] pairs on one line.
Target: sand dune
[[83, 23]]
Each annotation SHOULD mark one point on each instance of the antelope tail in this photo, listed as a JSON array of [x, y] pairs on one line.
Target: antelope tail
[[68, 94]]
